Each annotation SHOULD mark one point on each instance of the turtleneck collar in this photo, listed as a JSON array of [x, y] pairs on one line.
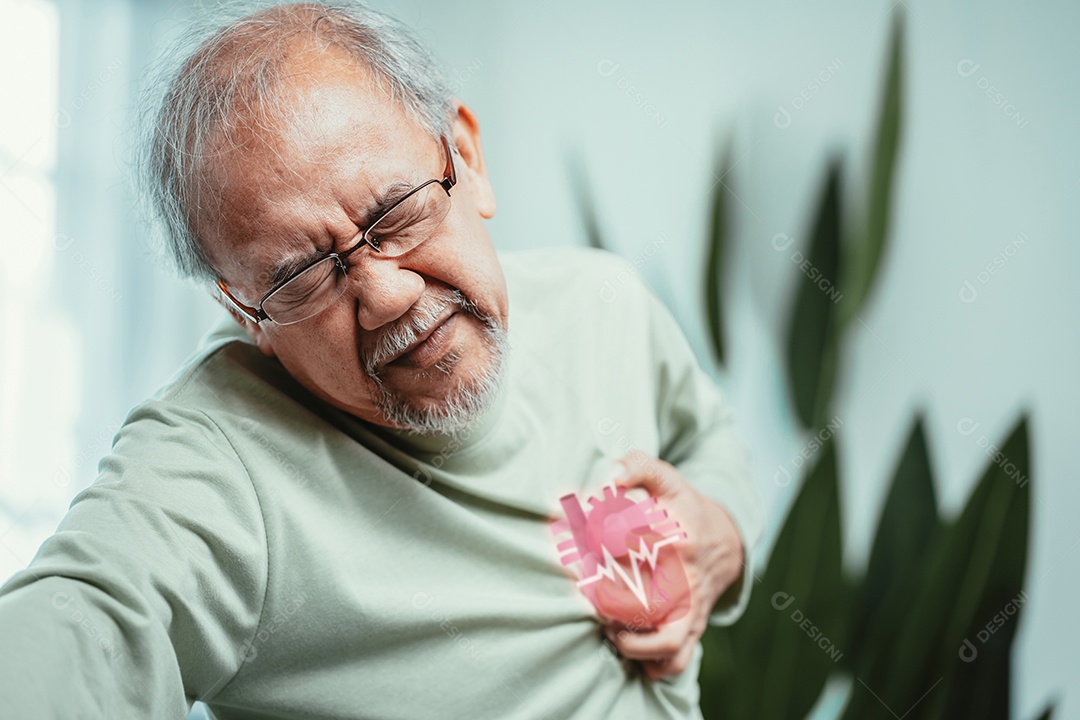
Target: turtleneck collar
[[479, 431]]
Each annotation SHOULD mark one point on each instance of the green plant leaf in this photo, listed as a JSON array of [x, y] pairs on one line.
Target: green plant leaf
[[718, 665], [975, 572], [582, 192], [868, 247], [991, 599], [719, 231], [1047, 713], [977, 689], [791, 636], [813, 337], [907, 527]]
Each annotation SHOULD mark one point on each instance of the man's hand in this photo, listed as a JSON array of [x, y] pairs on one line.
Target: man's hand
[[712, 557]]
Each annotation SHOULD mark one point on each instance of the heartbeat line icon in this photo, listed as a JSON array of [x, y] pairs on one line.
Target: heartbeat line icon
[[611, 567]]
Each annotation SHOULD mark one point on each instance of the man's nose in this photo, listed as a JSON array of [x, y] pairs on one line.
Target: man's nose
[[384, 290]]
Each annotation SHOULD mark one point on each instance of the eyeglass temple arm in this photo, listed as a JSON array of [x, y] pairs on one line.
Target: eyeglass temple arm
[[254, 314], [449, 172]]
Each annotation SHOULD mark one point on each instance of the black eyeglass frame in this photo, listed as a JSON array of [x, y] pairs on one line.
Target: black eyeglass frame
[[257, 314]]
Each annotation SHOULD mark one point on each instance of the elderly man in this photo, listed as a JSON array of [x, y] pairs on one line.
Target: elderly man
[[340, 506]]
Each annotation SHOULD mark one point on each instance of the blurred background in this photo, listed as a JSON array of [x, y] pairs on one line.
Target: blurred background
[[972, 319]]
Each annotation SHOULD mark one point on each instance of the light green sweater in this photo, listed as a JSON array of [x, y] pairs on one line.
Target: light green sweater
[[250, 546]]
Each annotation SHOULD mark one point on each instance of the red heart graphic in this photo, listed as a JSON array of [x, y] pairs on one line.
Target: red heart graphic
[[629, 569]]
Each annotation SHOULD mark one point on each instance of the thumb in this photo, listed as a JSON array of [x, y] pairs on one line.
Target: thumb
[[657, 477], [662, 481]]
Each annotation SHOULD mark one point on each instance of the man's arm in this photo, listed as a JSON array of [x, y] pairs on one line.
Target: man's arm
[[701, 475], [698, 435], [146, 596]]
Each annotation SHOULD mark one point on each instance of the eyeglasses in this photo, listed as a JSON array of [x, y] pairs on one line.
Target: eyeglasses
[[406, 224]]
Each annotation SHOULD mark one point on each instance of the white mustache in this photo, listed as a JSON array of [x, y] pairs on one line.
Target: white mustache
[[394, 342]]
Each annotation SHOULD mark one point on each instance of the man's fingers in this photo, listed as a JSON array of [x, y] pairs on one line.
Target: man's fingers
[[652, 474], [656, 669], [667, 641]]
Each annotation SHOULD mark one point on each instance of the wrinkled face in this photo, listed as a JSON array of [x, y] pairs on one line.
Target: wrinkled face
[[308, 186]]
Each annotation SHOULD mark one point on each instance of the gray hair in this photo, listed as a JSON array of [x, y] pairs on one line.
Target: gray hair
[[229, 63]]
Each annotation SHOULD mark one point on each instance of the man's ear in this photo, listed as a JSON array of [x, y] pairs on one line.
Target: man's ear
[[254, 330], [467, 139]]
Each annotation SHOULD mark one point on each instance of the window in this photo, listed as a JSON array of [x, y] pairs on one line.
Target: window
[[38, 348]]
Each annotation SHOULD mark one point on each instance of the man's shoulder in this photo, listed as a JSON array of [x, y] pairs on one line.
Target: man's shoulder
[[571, 273], [560, 262], [225, 375]]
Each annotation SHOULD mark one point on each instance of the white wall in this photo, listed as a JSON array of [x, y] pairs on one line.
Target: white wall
[[550, 78]]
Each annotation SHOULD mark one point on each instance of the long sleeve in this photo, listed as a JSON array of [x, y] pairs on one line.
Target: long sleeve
[[699, 436], [148, 595]]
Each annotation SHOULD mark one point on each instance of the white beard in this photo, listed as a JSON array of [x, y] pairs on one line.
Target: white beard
[[466, 401]]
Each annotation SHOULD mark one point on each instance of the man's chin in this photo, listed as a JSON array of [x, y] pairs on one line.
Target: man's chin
[[447, 396], [459, 406]]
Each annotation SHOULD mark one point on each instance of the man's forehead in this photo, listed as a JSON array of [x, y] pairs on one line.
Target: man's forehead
[[328, 98], [324, 167], [325, 105]]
